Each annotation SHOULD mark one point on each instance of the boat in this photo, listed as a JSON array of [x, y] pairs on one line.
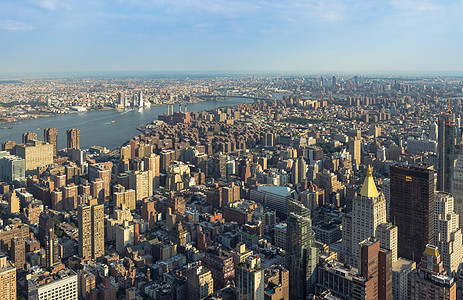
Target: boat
[[113, 121], [140, 109]]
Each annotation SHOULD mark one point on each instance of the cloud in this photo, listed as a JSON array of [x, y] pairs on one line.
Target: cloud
[[54, 4], [14, 25]]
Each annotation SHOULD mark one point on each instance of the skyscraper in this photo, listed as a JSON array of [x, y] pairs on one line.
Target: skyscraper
[[51, 249], [301, 256], [412, 208], [250, 279], [91, 230], [355, 150], [446, 152], [447, 232], [7, 279], [50, 135], [73, 135], [368, 212]]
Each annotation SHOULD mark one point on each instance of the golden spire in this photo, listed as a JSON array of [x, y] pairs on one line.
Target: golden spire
[[369, 187]]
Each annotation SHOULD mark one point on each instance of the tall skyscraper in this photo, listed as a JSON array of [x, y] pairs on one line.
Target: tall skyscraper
[[50, 135], [301, 257], [91, 230], [299, 170], [29, 136], [447, 232], [368, 211], [73, 136], [355, 149], [412, 208], [18, 252], [250, 279], [446, 152], [51, 249], [7, 279], [457, 183]]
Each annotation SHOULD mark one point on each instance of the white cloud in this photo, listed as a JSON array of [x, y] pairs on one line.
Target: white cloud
[[14, 25]]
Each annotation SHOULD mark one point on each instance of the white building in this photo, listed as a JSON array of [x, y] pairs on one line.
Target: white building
[[387, 235], [250, 279], [280, 235], [62, 287], [368, 211], [447, 232], [400, 270]]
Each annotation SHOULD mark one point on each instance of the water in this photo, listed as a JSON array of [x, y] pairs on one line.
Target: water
[[96, 128]]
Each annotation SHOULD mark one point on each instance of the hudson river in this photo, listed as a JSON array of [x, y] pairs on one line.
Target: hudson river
[[96, 127]]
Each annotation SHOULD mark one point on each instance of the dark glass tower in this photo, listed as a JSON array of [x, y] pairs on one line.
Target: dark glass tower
[[301, 256], [446, 152], [412, 209]]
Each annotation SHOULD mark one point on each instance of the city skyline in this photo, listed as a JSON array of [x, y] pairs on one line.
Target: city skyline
[[52, 36]]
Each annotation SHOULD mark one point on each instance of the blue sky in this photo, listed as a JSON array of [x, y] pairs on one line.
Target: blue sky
[[231, 35]]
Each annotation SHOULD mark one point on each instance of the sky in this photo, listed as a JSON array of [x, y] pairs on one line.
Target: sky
[[231, 35]]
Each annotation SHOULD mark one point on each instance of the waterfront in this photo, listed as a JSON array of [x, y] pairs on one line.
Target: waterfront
[[96, 127]]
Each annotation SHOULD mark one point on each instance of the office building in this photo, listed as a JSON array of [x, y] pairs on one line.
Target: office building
[[73, 138], [368, 211], [91, 230], [301, 257], [429, 281], [61, 286], [446, 152], [11, 167], [400, 270], [412, 209], [200, 283], [7, 279], [355, 149], [51, 249], [124, 236], [250, 279], [375, 269], [18, 252], [447, 232], [36, 154], [50, 135], [457, 182], [221, 265]]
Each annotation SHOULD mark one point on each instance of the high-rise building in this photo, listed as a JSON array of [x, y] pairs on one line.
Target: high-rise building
[[35, 153], [301, 257], [221, 265], [200, 283], [18, 252], [299, 170], [124, 236], [400, 270], [387, 234], [29, 137], [446, 152], [447, 232], [429, 281], [7, 279], [412, 209], [375, 266], [73, 136], [50, 135], [250, 279], [62, 285], [11, 167], [355, 150], [91, 230], [368, 211], [457, 183], [51, 249]]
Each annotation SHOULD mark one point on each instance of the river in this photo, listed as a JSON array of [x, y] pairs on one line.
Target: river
[[96, 128]]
